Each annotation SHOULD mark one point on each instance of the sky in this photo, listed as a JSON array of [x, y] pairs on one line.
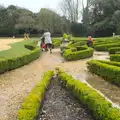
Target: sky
[[33, 5]]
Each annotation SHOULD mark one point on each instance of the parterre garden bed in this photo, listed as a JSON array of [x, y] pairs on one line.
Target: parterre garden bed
[[21, 53], [76, 50], [65, 98]]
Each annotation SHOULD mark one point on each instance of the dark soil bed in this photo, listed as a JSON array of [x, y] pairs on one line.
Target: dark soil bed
[[59, 104]]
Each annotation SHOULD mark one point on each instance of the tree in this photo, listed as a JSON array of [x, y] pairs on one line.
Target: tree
[[71, 9], [25, 21]]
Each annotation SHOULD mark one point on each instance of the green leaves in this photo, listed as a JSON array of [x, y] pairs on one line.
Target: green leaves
[[99, 106], [32, 102], [109, 71], [80, 53], [21, 59]]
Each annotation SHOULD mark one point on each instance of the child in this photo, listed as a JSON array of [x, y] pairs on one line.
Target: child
[[90, 41], [43, 46]]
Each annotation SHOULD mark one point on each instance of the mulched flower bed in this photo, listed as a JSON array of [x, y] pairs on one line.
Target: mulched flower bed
[[60, 104]]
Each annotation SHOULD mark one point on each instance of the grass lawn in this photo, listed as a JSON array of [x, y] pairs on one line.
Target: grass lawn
[[17, 49]]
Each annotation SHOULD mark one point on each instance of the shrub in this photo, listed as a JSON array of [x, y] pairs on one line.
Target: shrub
[[110, 62], [114, 50], [99, 106], [78, 43], [56, 43], [17, 61], [115, 57], [109, 72], [32, 103], [82, 54], [105, 47]]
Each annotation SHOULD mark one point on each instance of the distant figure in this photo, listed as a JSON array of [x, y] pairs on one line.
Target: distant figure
[[42, 45], [113, 34], [65, 37], [90, 41], [25, 36], [48, 40], [13, 37]]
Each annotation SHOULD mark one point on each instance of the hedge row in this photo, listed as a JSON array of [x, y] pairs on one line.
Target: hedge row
[[105, 47], [110, 62], [56, 43], [109, 72], [79, 43], [78, 53], [114, 50], [99, 106], [17, 61], [32, 103], [115, 57]]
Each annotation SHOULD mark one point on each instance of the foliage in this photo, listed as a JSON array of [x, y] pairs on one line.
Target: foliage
[[102, 17], [114, 50], [109, 72], [99, 106], [115, 57], [16, 20], [20, 54], [56, 43], [32, 103], [78, 29], [81, 53], [105, 47]]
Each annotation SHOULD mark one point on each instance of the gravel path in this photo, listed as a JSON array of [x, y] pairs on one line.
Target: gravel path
[[59, 104], [16, 84]]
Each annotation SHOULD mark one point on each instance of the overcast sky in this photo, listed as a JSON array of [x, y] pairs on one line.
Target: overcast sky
[[33, 5]]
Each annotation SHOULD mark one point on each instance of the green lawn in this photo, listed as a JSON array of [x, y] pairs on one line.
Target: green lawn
[[17, 49]]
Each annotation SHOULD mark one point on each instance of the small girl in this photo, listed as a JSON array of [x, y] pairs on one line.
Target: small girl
[[43, 46]]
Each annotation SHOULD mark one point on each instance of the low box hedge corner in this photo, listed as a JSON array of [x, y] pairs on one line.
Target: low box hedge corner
[[32, 103], [97, 104]]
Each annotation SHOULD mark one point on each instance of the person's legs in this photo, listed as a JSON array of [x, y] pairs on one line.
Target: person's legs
[[46, 49], [50, 47]]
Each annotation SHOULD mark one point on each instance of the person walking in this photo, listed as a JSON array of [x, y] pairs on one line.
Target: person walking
[[48, 40]]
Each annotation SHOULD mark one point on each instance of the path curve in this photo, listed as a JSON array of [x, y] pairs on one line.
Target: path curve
[[16, 84]]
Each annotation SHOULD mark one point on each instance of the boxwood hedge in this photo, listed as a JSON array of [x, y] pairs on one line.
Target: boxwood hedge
[[109, 72], [110, 62], [115, 57], [114, 50], [99, 106], [7, 64], [105, 47], [32, 103], [81, 53]]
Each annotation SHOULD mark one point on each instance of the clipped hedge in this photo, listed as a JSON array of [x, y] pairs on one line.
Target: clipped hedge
[[17, 61], [109, 72], [79, 43], [32, 103], [110, 62], [105, 47], [56, 43], [115, 57], [99, 106], [114, 50], [81, 53]]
